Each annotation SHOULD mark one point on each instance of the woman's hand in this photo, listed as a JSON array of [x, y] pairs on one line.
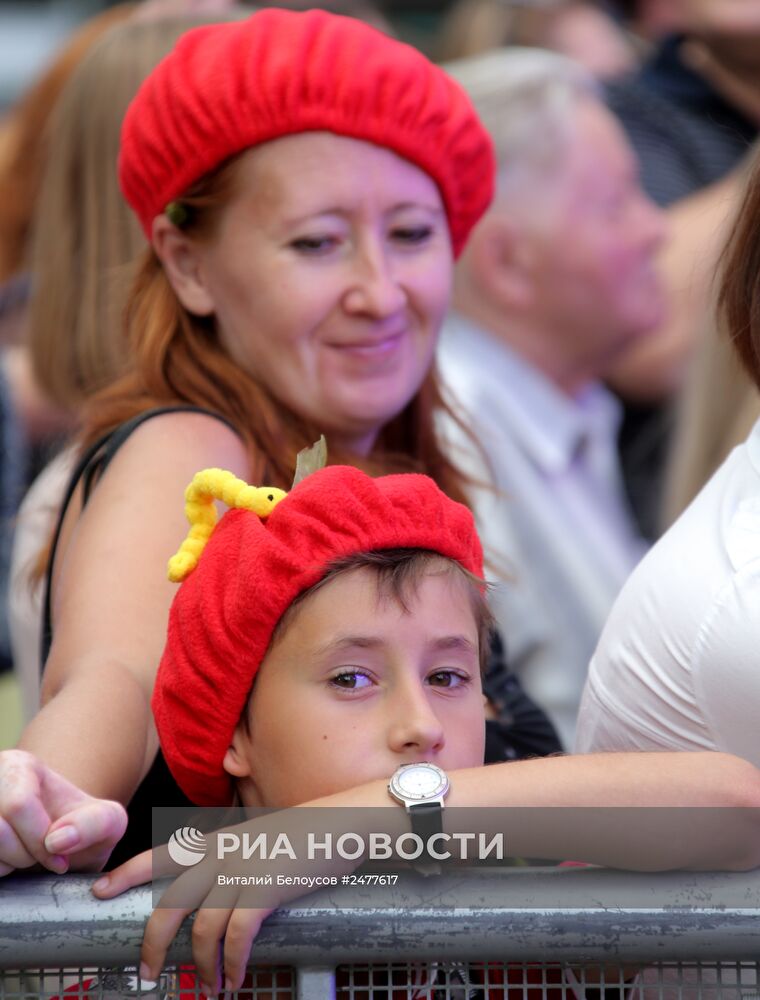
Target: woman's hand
[[46, 819]]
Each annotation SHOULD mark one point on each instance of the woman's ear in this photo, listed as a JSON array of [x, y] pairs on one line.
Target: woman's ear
[[182, 261], [236, 762]]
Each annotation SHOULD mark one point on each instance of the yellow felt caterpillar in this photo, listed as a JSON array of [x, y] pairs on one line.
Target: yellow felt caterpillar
[[206, 487]]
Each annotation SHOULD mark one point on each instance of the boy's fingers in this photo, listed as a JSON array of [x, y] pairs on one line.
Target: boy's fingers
[[242, 929], [160, 931], [137, 871], [188, 890], [94, 823], [209, 928]]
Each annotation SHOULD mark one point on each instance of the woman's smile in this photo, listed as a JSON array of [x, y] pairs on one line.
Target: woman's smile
[[333, 301], [373, 350]]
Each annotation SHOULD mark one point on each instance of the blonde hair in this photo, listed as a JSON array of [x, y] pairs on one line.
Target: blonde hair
[[86, 240], [720, 400], [25, 135], [717, 408]]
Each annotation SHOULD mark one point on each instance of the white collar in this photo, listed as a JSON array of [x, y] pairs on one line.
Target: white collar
[[549, 425]]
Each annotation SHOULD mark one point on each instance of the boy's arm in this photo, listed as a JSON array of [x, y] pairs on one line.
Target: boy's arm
[[657, 785], [726, 835], [111, 609]]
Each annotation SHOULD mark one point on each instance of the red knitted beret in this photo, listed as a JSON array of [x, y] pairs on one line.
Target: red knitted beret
[[226, 87], [250, 572]]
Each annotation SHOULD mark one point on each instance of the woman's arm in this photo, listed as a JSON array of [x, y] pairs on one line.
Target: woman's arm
[[111, 604]]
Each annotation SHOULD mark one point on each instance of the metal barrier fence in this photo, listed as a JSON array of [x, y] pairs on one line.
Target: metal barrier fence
[[530, 934]]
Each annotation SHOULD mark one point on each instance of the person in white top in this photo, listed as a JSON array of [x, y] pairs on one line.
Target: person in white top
[[560, 277], [677, 664]]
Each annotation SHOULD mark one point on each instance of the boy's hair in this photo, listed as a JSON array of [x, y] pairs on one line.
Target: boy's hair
[[399, 574]]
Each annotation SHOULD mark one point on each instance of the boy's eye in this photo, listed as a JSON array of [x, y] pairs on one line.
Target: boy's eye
[[412, 234], [314, 245], [350, 680], [448, 679]]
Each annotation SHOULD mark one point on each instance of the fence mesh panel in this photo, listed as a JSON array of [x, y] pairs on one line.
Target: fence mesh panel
[[110, 984], [560, 981], [417, 981]]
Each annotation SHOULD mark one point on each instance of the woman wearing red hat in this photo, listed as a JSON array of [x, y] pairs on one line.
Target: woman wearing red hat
[[305, 183]]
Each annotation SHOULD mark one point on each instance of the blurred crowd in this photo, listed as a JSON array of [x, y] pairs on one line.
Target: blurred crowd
[[591, 389]]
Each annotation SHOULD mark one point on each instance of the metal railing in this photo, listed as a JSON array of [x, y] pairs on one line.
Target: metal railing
[[524, 934]]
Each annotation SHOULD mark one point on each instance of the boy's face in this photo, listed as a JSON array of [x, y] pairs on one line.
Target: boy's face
[[356, 686]]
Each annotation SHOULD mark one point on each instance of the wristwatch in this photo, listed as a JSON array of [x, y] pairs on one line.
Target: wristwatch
[[421, 789]]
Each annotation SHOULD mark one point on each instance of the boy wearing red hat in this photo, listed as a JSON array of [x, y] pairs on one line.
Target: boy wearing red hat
[[320, 595], [324, 639]]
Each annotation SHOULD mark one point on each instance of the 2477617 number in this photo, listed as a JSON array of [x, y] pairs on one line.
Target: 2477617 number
[[369, 879]]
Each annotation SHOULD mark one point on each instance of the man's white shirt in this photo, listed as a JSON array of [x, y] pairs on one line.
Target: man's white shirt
[[556, 528]]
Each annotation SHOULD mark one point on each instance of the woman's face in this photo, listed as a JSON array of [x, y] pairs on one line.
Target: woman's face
[[329, 278]]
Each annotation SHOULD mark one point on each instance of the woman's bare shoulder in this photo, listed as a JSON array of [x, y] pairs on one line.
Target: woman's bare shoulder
[[174, 446], [111, 568], [195, 433]]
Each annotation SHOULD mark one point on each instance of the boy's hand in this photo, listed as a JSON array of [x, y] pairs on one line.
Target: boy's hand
[[222, 940], [137, 871], [228, 919], [222, 935], [46, 819]]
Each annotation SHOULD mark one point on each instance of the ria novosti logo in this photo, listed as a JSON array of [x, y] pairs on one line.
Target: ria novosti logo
[[187, 846]]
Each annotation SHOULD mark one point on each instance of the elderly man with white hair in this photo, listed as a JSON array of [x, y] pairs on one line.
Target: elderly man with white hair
[[559, 278]]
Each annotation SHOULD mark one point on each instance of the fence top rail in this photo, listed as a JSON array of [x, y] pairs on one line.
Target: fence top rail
[[531, 914]]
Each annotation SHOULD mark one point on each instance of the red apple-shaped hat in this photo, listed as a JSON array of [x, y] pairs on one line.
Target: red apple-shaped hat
[[227, 87], [241, 575]]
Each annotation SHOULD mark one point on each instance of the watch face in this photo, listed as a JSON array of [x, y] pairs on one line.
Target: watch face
[[421, 781]]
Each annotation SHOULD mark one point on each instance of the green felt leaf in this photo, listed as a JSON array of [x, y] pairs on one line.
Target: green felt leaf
[[310, 460]]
